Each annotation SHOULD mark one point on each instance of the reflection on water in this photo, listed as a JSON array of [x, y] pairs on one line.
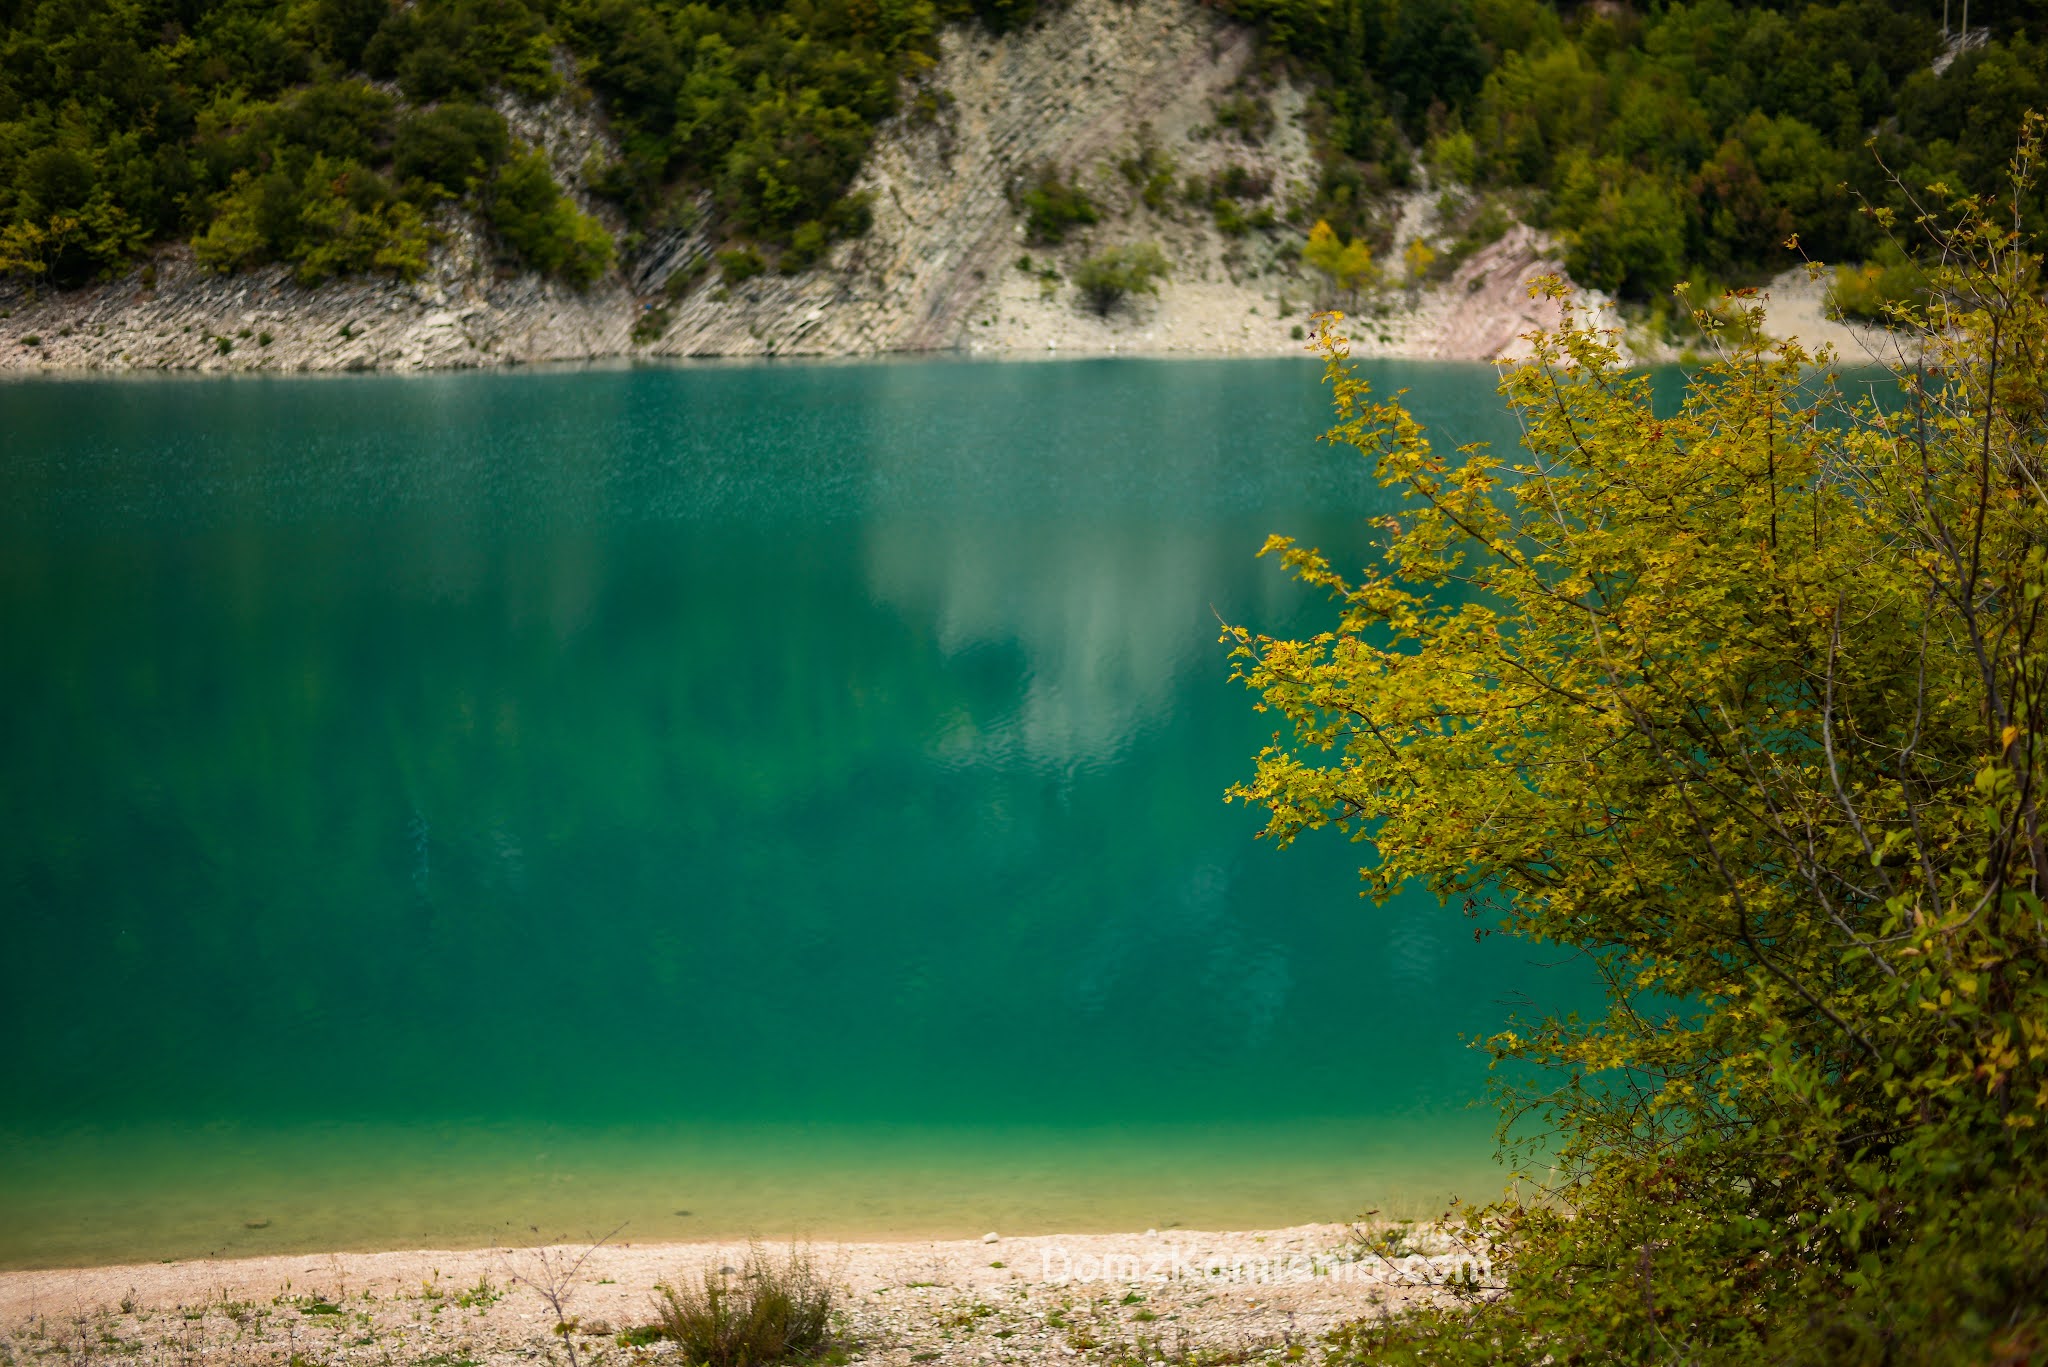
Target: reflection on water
[[1104, 619], [1243, 977], [1415, 953], [525, 784]]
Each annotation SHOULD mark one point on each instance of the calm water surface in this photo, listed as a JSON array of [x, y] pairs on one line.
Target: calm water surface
[[732, 800]]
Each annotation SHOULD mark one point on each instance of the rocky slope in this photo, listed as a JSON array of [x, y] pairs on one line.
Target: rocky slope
[[945, 266]]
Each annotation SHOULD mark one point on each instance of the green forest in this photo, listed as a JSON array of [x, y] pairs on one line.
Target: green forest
[[328, 133], [1670, 141], [1680, 141]]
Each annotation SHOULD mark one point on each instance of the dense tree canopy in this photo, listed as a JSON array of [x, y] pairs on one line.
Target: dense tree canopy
[[1747, 705], [328, 133], [1666, 140], [1678, 140]]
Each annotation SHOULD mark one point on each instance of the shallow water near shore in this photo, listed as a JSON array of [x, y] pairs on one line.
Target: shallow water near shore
[[441, 808]]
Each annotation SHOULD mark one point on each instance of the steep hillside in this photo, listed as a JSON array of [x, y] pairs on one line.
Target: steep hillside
[[1117, 100], [1100, 175]]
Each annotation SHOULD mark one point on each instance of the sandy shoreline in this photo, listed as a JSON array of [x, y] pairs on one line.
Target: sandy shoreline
[[1237, 1296]]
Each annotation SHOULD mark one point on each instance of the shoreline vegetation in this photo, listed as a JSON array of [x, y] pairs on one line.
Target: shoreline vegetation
[[1745, 705], [1172, 1295]]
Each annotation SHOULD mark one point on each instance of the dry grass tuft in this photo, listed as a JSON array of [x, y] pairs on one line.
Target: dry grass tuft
[[769, 1311]]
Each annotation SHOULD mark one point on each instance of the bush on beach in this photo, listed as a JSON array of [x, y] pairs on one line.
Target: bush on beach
[[768, 1311]]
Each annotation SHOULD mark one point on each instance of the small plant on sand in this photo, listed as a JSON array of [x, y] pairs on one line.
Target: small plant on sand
[[769, 1311], [1396, 1240], [551, 1274], [482, 1296]]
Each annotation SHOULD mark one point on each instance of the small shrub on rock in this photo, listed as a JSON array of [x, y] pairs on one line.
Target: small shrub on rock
[[740, 264], [1111, 276], [1053, 207], [543, 225]]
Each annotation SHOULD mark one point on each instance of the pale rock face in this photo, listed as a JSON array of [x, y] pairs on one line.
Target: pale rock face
[[938, 270]]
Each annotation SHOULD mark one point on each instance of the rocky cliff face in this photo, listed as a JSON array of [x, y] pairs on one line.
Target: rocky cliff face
[[940, 269]]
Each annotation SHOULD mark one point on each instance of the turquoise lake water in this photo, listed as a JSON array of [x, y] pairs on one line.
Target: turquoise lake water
[[781, 800]]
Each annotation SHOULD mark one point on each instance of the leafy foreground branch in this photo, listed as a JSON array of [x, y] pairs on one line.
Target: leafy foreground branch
[[1748, 705]]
